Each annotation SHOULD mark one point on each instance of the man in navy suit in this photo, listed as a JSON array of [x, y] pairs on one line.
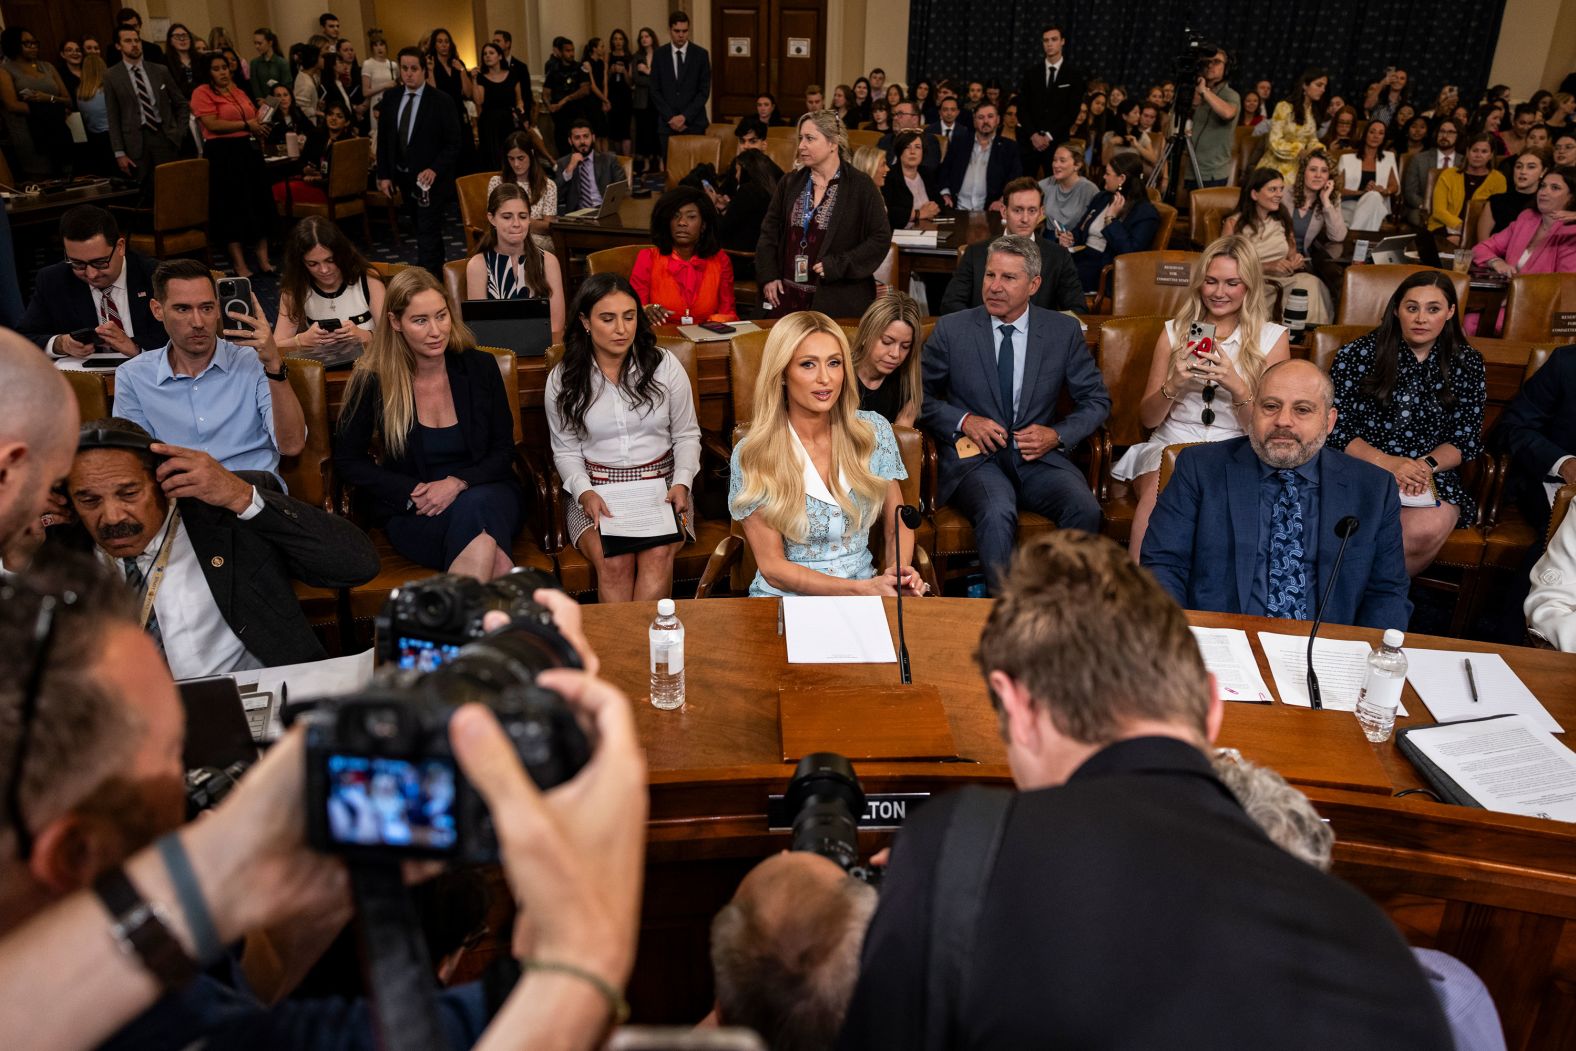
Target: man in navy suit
[[952, 124], [418, 147], [993, 377], [681, 76], [1048, 98], [101, 285], [975, 171], [1248, 525]]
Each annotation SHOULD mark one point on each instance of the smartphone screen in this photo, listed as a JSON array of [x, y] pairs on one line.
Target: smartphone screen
[[380, 801]]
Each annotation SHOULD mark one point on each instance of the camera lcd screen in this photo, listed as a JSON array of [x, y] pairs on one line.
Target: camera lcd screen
[[374, 801], [425, 655]]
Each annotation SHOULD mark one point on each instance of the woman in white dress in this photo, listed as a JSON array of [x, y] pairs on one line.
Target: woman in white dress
[[1202, 390]]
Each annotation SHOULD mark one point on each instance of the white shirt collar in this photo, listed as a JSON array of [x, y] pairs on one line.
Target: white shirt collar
[[1020, 326], [814, 485], [1057, 65]]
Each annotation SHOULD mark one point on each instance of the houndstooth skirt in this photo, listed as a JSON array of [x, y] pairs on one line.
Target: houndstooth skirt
[[577, 521]]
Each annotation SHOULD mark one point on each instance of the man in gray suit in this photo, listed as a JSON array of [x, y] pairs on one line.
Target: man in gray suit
[[584, 173], [148, 115], [1446, 153], [993, 377]]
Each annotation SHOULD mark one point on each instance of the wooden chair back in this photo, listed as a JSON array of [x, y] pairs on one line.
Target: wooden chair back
[[348, 161], [619, 260], [686, 152], [1137, 289], [1168, 222], [454, 279], [309, 473], [472, 192], [92, 393], [783, 150], [1210, 200], [1366, 290], [1534, 303], [180, 195], [1127, 346]]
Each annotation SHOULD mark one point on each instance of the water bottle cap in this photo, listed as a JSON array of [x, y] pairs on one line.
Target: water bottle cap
[[665, 607], [1393, 637]]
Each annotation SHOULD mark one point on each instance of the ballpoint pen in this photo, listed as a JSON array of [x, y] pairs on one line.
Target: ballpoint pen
[[1471, 680]]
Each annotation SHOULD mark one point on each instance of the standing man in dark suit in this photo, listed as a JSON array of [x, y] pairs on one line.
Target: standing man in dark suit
[[1248, 525], [519, 72], [993, 377], [1048, 98], [1122, 862], [211, 555], [681, 83], [418, 147], [976, 170], [1060, 287], [101, 285], [148, 115]]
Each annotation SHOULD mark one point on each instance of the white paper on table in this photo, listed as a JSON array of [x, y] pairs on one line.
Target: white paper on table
[[333, 677], [823, 629], [696, 334], [637, 508], [1229, 657], [1508, 765], [1440, 679], [1342, 665]]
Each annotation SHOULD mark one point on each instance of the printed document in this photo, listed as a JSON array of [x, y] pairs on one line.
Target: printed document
[[1342, 665], [637, 508], [1229, 657], [1509, 765]]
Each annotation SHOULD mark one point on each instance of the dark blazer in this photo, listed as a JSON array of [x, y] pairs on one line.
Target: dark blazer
[[605, 168], [929, 162], [1234, 942], [249, 566], [1207, 519], [1538, 428], [1136, 233], [960, 377], [1003, 166], [1049, 109], [434, 137], [1059, 288], [483, 411], [63, 303], [900, 199], [688, 96], [960, 130], [125, 114], [854, 246]]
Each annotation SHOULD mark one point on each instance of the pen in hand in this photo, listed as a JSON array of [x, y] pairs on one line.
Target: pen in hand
[[1471, 680]]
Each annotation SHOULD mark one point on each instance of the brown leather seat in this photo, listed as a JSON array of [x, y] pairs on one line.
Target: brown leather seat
[[1127, 346], [1168, 461], [92, 392], [1135, 291], [1168, 222], [1533, 302], [722, 131], [1327, 339], [454, 279], [309, 477], [782, 148], [858, 138], [472, 192], [179, 216], [386, 270], [686, 152], [1217, 201], [1470, 226], [1366, 290], [619, 260], [348, 162]]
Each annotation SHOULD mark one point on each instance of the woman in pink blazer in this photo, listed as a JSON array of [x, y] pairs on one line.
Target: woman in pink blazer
[[1540, 240]]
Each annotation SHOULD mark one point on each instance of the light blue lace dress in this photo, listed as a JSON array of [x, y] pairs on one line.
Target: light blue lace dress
[[828, 548]]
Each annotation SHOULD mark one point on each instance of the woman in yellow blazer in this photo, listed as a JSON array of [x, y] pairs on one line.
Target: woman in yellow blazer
[[1294, 126], [1454, 187]]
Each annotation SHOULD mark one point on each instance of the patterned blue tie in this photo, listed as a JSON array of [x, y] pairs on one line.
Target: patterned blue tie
[[1004, 367], [1288, 587]]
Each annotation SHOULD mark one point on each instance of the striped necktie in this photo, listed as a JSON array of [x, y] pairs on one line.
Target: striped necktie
[[150, 112], [138, 584], [111, 312]]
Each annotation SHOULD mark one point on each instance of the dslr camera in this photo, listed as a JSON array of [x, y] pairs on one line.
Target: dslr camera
[[382, 780], [826, 799]]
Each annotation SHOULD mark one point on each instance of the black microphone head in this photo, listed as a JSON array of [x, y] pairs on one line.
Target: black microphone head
[[910, 515], [1346, 526]]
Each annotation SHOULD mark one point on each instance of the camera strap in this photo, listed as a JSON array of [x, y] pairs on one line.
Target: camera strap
[[398, 970], [968, 856]]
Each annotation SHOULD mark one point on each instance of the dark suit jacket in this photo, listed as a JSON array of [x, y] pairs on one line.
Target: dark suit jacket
[[960, 378], [1203, 539], [852, 249], [1141, 872], [483, 411], [929, 162], [63, 303], [434, 138], [249, 567], [1049, 109], [960, 130], [605, 168], [125, 113], [1059, 288], [900, 199], [1538, 428], [1003, 166], [688, 96], [1136, 233]]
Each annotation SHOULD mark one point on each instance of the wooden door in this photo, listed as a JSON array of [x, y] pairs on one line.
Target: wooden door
[[55, 23], [765, 45]]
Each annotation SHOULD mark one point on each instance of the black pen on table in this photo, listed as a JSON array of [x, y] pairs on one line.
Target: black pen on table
[[1471, 680]]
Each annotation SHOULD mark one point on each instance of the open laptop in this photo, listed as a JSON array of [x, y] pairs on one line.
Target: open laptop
[[524, 326], [615, 194], [1392, 249]]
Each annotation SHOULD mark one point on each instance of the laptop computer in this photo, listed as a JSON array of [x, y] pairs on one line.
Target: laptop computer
[[524, 326], [615, 194], [217, 731], [1391, 249]]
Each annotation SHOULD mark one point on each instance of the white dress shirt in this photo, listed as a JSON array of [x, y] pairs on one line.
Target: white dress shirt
[[619, 434], [971, 195], [679, 56], [122, 299], [197, 639]]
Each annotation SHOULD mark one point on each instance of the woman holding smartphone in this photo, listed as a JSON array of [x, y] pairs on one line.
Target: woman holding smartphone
[[328, 295], [1206, 364]]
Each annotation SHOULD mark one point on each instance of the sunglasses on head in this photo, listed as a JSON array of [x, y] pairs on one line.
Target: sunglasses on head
[[43, 641]]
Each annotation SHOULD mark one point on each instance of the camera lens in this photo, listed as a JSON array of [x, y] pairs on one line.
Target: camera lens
[[825, 798], [433, 608]]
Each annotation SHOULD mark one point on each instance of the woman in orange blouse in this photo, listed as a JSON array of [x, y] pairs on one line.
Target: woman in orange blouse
[[687, 278], [239, 201]]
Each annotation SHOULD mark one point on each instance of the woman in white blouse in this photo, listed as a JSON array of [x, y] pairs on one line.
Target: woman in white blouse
[[1551, 604], [1370, 178], [620, 410]]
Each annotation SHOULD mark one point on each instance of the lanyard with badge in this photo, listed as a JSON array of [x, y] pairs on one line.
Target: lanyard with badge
[[150, 587], [801, 262]]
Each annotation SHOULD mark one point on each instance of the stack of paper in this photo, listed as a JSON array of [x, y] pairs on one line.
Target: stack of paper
[[1440, 679], [837, 630], [915, 238], [1341, 665], [1229, 657], [1506, 764]]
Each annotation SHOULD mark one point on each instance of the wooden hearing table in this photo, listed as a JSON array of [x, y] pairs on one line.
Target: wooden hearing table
[[1496, 889]]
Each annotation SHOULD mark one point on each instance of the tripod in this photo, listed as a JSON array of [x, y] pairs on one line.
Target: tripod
[[1177, 146]]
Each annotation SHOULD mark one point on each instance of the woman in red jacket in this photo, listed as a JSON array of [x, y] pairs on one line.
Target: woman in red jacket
[[687, 278]]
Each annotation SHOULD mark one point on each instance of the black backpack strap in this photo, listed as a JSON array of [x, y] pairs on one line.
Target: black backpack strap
[[968, 856]]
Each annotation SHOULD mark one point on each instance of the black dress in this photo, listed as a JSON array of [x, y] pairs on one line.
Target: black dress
[[621, 94], [593, 105], [449, 82], [885, 400], [496, 120], [436, 541]]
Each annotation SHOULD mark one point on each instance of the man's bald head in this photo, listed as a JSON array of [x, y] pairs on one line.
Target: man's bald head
[[38, 432], [1293, 413]]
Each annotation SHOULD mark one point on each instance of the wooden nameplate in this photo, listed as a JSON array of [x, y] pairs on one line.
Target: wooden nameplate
[[864, 722]]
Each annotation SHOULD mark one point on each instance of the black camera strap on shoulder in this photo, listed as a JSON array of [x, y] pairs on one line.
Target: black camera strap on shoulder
[[968, 856], [399, 972]]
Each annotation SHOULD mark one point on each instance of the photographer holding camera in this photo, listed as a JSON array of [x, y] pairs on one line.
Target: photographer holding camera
[[90, 739], [1215, 108]]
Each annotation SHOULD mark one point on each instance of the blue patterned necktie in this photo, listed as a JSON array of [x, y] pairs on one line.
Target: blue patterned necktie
[[1288, 587]]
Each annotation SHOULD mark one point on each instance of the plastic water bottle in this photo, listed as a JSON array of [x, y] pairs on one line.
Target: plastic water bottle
[[1381, 692], [667, 658]]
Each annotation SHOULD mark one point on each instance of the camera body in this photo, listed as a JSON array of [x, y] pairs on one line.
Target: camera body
[[424, 623]]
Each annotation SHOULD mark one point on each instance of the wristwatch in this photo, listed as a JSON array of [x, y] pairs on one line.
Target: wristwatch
[[278, 377], [1433, 464]]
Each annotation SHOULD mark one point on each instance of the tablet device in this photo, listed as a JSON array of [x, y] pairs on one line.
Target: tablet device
[[217, 732], [524, 326]]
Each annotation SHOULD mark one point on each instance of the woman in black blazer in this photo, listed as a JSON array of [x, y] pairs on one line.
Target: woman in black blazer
[[904, 206], [443, 486], [1119, 220], [826, 231]]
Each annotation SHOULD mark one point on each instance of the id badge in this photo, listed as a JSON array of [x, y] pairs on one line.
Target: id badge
[[686, 320], [801, 269]]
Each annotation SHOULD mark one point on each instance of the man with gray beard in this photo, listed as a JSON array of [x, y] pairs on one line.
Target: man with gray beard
[[1253, 525]]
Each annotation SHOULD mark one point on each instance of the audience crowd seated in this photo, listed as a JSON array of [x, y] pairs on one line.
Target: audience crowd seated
[[1263, 220], [1023, 215]]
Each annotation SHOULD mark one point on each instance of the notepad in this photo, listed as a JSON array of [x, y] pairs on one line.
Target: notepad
[[1229, 657], [837, 630], [1440, 679]]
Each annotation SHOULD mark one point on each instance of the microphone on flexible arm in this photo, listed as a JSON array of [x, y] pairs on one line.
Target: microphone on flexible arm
[[1343, 529], [909, 516]]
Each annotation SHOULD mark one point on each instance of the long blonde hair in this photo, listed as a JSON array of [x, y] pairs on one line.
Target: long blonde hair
[[1255, 305], [892, 307], [92, 77], [772, 474], [391, 364]]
